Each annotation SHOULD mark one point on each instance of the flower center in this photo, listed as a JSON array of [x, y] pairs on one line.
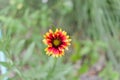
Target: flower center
[[56, 42]]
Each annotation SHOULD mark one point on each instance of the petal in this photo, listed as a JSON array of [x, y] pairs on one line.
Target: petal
[[59, 50], [50, 31]]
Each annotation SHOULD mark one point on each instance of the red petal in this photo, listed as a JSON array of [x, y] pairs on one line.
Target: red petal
[[50, 36]]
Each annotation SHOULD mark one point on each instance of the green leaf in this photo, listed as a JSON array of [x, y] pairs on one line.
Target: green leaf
[[85, 50], [5, 64], [18, 72], [83, 69], [28, 53], [19, 46]]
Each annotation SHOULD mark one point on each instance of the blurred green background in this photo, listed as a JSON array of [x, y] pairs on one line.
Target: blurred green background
[[93, 25]]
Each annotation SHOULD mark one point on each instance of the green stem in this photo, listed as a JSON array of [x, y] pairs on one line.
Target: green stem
[[51, 70]]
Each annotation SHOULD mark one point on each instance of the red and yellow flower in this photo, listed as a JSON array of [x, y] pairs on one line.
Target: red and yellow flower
[[56, 42]]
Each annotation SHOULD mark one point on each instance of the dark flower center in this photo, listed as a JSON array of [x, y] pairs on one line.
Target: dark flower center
[[56, 42]]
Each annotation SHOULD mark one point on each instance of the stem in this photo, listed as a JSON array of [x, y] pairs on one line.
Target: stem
[[52, 69]]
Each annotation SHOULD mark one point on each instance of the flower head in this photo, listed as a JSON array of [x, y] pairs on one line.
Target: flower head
[[56, 42]]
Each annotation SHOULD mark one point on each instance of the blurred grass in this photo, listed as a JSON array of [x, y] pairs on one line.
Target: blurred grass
[[92, 25]]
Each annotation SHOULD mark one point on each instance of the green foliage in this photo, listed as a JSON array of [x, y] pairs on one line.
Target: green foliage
[[92, 25], [88, 52], [113, 75]]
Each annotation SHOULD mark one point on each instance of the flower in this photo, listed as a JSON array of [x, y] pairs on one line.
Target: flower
[[56, 42]]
